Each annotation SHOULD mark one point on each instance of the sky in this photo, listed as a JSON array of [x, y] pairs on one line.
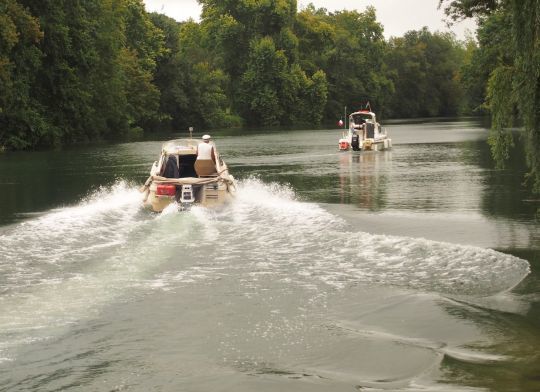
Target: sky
[[397, 16]]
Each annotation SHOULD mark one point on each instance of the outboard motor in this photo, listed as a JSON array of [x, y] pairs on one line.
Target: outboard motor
[[355, 142], [186, 196]]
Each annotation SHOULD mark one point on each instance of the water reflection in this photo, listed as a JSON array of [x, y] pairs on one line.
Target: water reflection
[[503, 332], [363, 180], [507, 193]]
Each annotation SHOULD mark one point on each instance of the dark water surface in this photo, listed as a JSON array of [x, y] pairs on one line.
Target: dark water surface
[[415, 269]]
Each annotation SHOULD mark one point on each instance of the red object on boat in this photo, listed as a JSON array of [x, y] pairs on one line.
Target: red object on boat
[[166, 190], [343, 145]]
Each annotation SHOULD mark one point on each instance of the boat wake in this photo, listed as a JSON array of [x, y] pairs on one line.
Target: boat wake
[[70, 262], [58, 268], [304, 239]]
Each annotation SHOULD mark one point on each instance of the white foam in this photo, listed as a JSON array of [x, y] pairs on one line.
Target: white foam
[[59, 267], [294, 237], [66, 264], [105, 218]]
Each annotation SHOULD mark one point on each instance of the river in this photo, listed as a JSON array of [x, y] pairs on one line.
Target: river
[[414, 269]]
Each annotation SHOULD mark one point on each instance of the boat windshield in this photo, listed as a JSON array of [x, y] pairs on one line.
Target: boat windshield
[[361, 117], [180, 146]]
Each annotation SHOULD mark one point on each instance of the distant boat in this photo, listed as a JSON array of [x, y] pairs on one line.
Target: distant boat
[[364, 133], [178, 177]]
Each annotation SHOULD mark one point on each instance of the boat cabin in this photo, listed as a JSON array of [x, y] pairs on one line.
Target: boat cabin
[[366, 121], [178, 159], [362, 117]]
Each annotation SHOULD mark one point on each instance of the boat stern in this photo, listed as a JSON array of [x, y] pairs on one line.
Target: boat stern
[[160, 196]]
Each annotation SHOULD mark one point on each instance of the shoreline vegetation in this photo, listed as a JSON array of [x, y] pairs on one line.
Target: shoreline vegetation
[[77, 72]]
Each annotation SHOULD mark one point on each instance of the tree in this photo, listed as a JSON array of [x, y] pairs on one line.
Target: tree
[[264, 86], [21, 117], [424, 68], [193, 88], [460, 9], [232, 25], [513, 88], [64, 83], [90, 74], [144, 46], [348, 46], [316, 37]]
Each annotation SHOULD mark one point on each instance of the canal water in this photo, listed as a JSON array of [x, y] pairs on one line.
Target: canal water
[[415, 269]]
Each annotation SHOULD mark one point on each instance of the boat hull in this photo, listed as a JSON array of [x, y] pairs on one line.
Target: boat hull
[[366, 145], [207, 195]]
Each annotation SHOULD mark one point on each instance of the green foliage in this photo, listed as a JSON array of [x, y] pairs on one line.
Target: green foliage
[[21, 118], [481, 59], [74, 71], [142, 95], [424, 68], [509, 49], [273, 92], [264, 83], [500, 139], [193, 90], [255, 43], [316, 36], [232, 25], [349, 47], [460, 9], [356, 57], [314, 94], [526, 87], [137, 63], [142, 35]]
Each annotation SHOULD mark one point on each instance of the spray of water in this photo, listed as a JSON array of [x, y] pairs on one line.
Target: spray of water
[[68, 263], [305, 239]]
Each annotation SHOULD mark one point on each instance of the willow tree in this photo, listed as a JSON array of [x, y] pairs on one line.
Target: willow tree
[[526, 83], [513, 89]]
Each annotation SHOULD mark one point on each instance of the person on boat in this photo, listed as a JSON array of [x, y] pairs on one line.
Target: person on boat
[[205, 165]]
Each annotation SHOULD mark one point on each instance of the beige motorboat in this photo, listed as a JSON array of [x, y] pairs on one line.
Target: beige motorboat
[[179, 177]]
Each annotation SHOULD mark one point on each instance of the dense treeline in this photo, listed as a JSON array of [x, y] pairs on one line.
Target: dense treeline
[[74, 71]]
